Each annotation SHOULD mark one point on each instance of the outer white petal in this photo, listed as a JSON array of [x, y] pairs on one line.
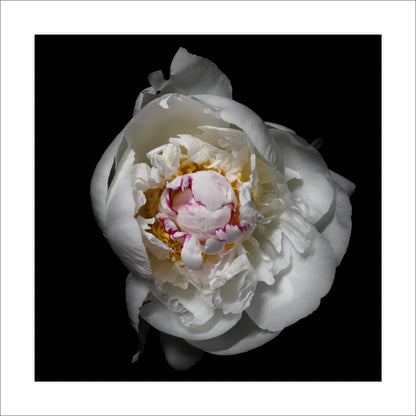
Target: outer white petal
[[192, 74], [189, 74], [316, 187], [100, 179], [154, 125], [346, 185], [249, 122], [243, 337], [120, 227], [178, 353], [338, 231], [136, 292], [298, 291], [162, 319], [143, 331]]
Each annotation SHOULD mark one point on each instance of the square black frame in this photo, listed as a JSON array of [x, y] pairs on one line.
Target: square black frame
[[321, 86]]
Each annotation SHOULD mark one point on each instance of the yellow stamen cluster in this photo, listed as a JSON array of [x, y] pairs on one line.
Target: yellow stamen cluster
[[149, 209], [159, 231]]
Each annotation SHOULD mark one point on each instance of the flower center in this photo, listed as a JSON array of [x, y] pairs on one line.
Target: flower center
[[196, 215], [199, 203]]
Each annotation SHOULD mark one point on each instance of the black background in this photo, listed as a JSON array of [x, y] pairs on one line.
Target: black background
[[85, 87]]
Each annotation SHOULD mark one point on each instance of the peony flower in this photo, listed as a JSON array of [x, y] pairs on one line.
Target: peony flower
[[230, 227]]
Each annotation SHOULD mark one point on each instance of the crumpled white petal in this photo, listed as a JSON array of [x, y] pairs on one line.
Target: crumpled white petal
[[178, 353], [297, 291], [158, 316]]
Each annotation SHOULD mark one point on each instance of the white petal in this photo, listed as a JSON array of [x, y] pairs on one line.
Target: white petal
[[230, 233], [338, 231], [120, 227], [213, 246], [250, 216], [316, 188], [165, 159], [192, 254], [346, 185], [279, 127], [144, 177], [297, 292], [281, 260], [142, 335], [291, 174], [249, 122], [100, 179], [243, 337], [190, 299], [178, 353], [294, 226], [224, 271], [165, 271], [156, 79], [153, 126], [192, 74], [136, 292], [261, 262], [189, 74], [144, 98], [158, 316], [237, 293], [154, 245]]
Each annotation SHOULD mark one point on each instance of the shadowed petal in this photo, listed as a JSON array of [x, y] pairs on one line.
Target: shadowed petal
[[178, 353], [136, 292], [243, 337]]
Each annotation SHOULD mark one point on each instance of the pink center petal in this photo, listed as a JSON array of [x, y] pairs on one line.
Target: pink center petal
[[202, 205], [212, 189]]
